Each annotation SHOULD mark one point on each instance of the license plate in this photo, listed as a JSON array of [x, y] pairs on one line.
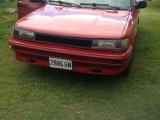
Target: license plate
[[60, 63]]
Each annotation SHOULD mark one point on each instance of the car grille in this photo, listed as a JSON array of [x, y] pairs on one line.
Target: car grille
[[64, 40]]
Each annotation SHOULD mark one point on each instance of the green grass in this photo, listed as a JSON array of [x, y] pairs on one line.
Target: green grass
[[4, 15], [35, 93]]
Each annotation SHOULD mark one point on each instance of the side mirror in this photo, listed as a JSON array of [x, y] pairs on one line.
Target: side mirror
[[141, 4], [41, 1]]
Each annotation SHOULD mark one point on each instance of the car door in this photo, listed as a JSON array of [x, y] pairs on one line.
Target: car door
[[27, 6]]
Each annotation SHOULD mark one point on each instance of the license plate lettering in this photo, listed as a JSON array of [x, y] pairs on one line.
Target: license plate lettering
[[66, 64], [60, 63]]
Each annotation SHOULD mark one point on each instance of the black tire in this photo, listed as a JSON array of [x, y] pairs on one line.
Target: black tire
[[128, 69]]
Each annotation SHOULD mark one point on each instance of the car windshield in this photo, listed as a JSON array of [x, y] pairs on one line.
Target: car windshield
[[101, 4]]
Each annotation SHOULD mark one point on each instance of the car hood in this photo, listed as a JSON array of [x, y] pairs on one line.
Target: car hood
[[76, 22]]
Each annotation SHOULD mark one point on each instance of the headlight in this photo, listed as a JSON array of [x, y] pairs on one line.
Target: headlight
[[111, 44], [23, 34]]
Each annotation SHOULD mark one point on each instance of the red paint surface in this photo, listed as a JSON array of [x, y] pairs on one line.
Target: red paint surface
[[82, 23]]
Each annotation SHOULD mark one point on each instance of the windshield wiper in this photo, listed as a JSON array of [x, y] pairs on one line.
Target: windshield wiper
[[64, 3], [101, 6]]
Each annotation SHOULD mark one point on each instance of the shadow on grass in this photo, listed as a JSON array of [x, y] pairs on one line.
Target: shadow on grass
[[62, 78], [71, 86]]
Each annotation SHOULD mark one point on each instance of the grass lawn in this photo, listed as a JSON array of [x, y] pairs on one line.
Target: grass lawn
[[35, 93]]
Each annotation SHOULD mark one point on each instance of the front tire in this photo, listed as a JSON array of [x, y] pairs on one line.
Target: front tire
[[128, 69]]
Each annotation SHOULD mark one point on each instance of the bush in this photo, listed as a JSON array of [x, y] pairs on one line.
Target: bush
[[156, 2]]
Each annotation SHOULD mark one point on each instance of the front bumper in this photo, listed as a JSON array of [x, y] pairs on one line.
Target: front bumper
[[84, 60]]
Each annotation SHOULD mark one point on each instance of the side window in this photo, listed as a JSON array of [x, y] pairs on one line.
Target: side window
[[27, 6]]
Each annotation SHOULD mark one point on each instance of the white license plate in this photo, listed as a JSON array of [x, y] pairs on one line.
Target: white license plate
[[60, 63]]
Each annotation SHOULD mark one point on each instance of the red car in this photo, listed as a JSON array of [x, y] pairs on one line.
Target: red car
[[94, 36]]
